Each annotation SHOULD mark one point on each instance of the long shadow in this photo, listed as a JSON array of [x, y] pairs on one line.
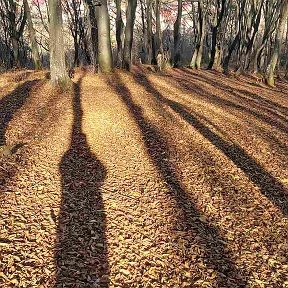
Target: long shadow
[[212, 98], [269, 186], [12, 102], [199, 92], [81, 249], [246, 107], [215, 254], [250, 97]]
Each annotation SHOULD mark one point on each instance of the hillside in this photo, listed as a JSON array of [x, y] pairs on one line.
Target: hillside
[[143, 180]]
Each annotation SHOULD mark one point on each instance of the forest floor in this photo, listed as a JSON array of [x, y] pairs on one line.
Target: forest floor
[[143, 180]]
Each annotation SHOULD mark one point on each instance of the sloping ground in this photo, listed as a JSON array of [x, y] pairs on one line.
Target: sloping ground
[[144, 180]]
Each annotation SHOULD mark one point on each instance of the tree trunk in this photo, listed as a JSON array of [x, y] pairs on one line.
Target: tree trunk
[[119, 32], [237, 39], [93, 33], [279, 37], [130, 19], [104, 41], [59, 75], [159, 45], [215, 37], [197, 55], [144, 53], [34, 45], [177, 26], [149, 32]]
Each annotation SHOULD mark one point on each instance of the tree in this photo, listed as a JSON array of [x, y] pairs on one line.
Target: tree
[[58, 71], [177, 35], [92, 32], [197, 55], [216, 42], [158, 39], [34, 45], [104, 42], [16, 22], [278, 41], [149, 38], [236, 41], [119, 32], [130, 18]]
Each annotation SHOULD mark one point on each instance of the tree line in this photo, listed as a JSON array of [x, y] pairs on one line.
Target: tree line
[[226, 35]]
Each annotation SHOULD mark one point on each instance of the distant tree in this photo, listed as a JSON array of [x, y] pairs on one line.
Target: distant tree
[[104, 41], [270, 24], [216, 39], [32, 36], [149, 30], [144, 46], [278, 43], [119, 32], [177, 35], [130, 18], [15, 19], [158, 38], [241, 5], [58, 71], [92, 33], [198, 52]]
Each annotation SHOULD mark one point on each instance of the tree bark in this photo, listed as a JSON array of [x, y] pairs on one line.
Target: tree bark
[[104, 41], [159, 44], [144, 30], [215, 48], [177, 36], [34, 45], [130, 19], [279, 37], [149, 32], [93, 33], [197, 55], [59, 75], [119, 32], [236, 40]]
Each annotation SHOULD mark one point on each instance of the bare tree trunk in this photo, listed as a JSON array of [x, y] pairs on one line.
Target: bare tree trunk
[[215, 49], [198, 53], [14, 33], [159, 44], [93, 33], [144, 30], [130, 19], [279, 37], [177, 36], [237, 39], [119, 32], [59, 75], [149, 32], [104, 41], [34, 45], [249, 46]]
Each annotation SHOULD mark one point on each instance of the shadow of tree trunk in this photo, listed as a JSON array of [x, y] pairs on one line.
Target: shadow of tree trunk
[[268, 185], [81, 250], [215, 254], [11, 103]]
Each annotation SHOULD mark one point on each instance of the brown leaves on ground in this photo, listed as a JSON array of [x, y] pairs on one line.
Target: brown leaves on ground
[[143, 180]]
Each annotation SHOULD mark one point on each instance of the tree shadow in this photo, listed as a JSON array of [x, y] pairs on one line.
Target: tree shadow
[[240, 94], [81, 248], [268, 185], [259, 114], [198, 92], [11, 103], [215, 255]]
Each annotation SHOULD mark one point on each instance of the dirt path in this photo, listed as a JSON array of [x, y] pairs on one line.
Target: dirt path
[[144, 180]]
